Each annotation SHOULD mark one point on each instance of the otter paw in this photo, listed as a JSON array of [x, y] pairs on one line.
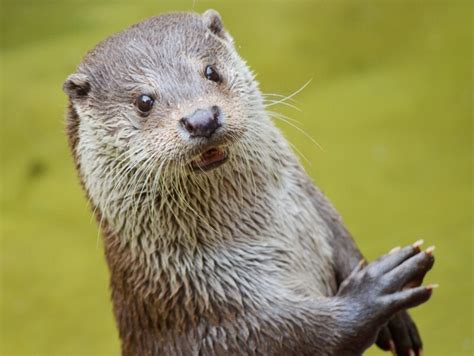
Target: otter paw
[[390, 284]]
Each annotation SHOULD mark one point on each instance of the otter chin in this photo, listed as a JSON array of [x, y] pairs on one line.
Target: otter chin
[[210, 159], [251, 260]]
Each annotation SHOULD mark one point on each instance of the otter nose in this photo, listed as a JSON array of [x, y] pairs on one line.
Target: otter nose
[[203, 122]]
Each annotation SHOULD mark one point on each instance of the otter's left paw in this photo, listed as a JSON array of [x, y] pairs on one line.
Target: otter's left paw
[[400, 335]]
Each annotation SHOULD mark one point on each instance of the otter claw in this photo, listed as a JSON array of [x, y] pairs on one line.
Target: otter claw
[[430, 250], [418, 243]]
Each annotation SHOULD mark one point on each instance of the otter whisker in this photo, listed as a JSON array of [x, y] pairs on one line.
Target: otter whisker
[[294, 93], [301, 154], [268, 103], [283, 118], [276, 156], [294, 121], [264, 95]]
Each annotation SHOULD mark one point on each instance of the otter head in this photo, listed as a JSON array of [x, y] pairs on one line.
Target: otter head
[[166, 100]]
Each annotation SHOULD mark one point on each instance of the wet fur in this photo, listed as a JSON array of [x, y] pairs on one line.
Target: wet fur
[[242, 259]]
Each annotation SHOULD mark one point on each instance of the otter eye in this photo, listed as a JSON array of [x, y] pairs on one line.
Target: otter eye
[[144, 103], [211, 74]]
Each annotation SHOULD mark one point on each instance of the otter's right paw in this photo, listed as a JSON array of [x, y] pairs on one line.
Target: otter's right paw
[[380, 289]]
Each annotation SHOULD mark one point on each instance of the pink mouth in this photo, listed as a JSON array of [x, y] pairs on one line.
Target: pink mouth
[[210, 159]]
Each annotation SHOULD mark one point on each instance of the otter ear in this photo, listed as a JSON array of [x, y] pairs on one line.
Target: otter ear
[[213, 22], [77, 86]]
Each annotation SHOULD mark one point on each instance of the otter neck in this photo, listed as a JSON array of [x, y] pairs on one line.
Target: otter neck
[[166, 271]]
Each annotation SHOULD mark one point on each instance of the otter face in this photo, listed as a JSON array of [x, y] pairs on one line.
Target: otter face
[[160, 102], [170, 90]]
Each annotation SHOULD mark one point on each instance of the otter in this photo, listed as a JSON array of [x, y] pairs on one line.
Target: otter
[[217, 241]]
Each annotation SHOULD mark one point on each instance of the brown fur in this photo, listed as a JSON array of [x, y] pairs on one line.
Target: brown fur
[[244, 259]]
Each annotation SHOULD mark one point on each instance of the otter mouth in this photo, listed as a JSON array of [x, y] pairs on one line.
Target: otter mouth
[[210, 159]]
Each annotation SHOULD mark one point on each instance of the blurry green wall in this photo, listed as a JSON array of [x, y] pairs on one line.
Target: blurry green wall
[[390, 103]]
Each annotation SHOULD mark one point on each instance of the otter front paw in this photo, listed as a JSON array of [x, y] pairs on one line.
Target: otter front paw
[[385, 287], [400, 335]]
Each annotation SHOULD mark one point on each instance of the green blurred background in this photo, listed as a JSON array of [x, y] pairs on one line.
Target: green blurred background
[[390, 102]]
